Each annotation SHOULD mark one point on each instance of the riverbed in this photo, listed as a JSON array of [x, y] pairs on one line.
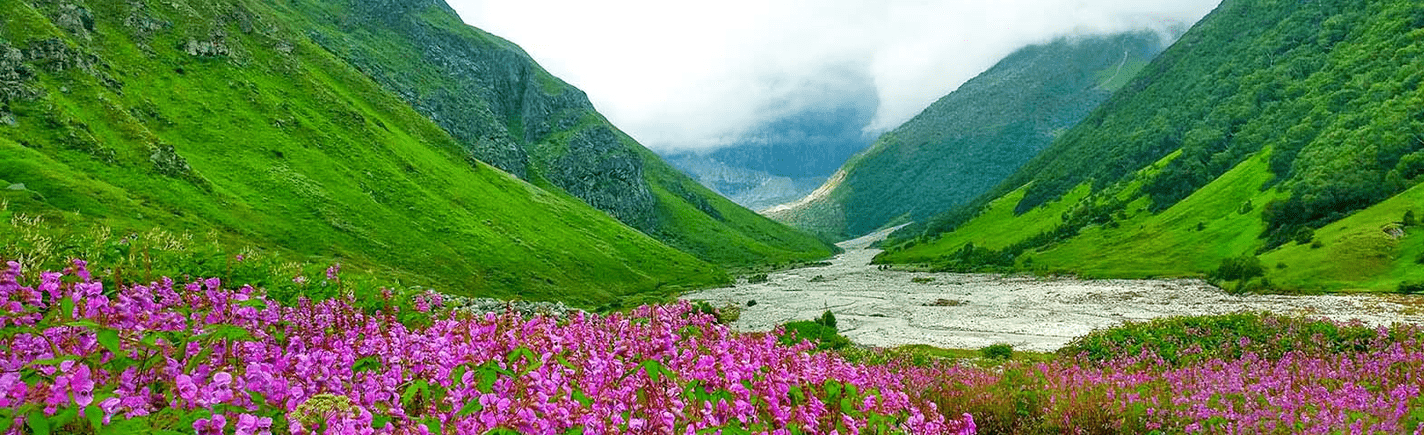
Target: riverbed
[[888, 308]]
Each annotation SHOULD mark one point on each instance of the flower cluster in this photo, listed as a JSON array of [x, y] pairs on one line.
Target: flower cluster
[[212, 360]]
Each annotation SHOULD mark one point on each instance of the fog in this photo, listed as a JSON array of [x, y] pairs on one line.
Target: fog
[[695, 76]]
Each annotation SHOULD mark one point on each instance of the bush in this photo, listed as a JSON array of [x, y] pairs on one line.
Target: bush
[[751, 303], [758, 278], [922, 280], [826, 338], [827, 319], [1409, 219], [1000, 351], [1411, 287], [819, 278], [1239, 268]]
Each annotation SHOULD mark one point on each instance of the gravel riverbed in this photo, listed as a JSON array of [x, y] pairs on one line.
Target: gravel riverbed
[[889, 308]]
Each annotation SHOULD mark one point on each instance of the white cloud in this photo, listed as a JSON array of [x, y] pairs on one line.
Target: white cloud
[[681, 75]]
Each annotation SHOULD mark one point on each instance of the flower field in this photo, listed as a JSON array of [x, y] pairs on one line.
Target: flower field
[[201, 357]]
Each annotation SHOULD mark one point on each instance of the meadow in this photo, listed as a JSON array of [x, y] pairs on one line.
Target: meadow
[[87, 354]]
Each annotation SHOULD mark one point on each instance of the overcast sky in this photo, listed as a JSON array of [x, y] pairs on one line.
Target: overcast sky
[[685, 75]]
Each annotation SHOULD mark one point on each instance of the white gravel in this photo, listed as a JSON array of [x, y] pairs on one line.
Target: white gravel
[[886, 309]]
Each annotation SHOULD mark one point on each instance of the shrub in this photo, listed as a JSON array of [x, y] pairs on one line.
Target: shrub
[[751, 303], [922, 280], [1239, 268], [827, 319], [825, 337], [820, 278], [1001, 351], [1409, 219], [1411, 287], [758, 278]]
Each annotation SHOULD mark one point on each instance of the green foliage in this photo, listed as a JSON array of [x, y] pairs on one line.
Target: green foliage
[[758, 278], [1252, 139], [999, 351], [828, 319], [968, 141], [285, 137], [1187, 340], [1239, 268], [825, 337], [1411, 287]]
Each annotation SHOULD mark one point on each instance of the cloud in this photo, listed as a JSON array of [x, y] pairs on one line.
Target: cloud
[[696, 75]]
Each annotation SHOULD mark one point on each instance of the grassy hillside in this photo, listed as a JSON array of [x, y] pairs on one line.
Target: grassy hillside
[[963, 144], [223, 117], [1281, 132], [503, 108]]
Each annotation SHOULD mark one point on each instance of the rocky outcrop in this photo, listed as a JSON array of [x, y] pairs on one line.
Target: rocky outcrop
[[599, 169], [500, 105]]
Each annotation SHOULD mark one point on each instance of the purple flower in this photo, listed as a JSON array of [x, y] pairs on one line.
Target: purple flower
[[82, 386]]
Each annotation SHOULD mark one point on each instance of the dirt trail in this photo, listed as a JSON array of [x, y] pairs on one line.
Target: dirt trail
[[885, 308]]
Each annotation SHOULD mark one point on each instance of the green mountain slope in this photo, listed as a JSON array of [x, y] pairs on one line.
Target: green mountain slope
[[505, 110], [224, 116], [1287, 131], [968, 141]]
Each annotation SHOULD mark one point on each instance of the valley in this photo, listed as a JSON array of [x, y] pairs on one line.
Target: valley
[[889, 308]]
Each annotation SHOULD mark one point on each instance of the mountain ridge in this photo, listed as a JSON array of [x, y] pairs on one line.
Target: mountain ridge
[[1306, 112], [965, 142]]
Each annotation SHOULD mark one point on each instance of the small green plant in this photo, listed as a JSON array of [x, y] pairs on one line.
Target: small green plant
[[751, 303], [999, 351], [1411, 287], [1409, 219], [827, 319], [758, 278], [819, 278], [922, 280]]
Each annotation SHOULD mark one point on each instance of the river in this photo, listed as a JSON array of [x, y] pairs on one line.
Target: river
[[968, 311]]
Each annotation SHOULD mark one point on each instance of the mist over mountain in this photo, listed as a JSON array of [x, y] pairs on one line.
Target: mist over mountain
[[788, 157], [969, 140], [1276, 145]]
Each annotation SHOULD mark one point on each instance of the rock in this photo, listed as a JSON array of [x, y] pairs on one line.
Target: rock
[[206, 48], [75, 19], [166, 161], [598, 168], [524, 308]]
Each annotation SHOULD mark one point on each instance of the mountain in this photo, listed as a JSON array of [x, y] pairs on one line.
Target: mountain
[[506, 110], [790, 155], [287, 126], [967, 141], [1283, 139]]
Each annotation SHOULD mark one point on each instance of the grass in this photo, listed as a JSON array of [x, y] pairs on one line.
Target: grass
[[1169, 243], [1356, 254], [303, 155]]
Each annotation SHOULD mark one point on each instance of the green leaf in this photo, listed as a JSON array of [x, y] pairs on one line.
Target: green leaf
[[582, 398], [408, 398], [95, 416], [379, 421], [367, 364], [84, 323], [109, 338], [576, 430], [66, 306], [457, 374], [470, 407], [39, 425], [434, 425]]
